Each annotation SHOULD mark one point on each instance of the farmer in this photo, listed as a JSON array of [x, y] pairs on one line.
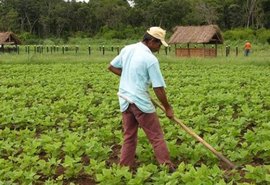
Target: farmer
[[139, 69], [247, 48]]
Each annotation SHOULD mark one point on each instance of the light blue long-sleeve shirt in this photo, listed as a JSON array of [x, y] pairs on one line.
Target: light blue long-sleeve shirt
[[140, 69]]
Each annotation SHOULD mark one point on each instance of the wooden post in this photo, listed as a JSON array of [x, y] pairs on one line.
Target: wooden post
[[227, 51], [188, 50], [103, 50], [216, 50], [2, 48], [203, 49], [236, 51], [89, 50]]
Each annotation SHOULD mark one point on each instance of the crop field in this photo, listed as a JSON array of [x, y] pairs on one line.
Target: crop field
[[60, 121]]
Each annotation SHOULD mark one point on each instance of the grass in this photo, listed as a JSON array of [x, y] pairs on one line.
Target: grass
[[259, 56]]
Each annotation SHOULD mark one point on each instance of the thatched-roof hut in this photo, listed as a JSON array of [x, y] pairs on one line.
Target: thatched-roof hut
[[209, 34], [8, 38]]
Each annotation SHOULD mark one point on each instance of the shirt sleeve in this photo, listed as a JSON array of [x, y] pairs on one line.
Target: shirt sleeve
[[116, 62], [155, 76]]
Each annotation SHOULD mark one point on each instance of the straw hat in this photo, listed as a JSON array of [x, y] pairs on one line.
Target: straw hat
[[158, 33]]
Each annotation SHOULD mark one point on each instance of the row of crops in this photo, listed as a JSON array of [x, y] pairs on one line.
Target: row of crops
[[60, 124]]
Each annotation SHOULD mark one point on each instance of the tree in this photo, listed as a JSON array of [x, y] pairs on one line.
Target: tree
[[62, 18], [254, 13], [168, 13], [8, 21]]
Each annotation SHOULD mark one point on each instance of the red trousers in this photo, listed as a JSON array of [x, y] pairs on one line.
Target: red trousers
[[149, 122]]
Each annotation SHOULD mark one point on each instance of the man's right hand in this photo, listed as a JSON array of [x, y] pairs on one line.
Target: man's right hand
[[169, 112]]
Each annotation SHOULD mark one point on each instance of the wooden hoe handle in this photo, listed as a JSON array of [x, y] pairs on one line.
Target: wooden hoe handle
[[198, 138]]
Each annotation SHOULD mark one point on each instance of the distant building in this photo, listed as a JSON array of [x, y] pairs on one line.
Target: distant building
[[208, 36], [10, 39]]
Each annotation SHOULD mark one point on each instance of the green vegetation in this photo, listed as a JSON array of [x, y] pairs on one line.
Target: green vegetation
[[59, 116], [259, 36], [59, 20], [60, 120]]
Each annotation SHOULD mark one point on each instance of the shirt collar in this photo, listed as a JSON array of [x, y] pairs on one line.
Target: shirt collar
[[143, 46]]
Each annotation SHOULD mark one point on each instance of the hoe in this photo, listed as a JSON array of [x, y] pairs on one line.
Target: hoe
[[198, 138], [192, 133]]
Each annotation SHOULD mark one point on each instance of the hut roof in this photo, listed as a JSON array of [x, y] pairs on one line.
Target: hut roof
[[208, 34], [9, 38]]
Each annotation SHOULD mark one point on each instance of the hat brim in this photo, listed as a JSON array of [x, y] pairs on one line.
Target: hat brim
[[164, 43]]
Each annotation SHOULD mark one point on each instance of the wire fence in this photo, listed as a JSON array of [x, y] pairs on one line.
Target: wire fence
[[221, 50]]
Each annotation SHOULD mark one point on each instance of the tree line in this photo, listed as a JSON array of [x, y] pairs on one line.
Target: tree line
[[119, 19]]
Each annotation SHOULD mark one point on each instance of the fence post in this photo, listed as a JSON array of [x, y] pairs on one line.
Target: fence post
[[166, 50], [227, 51], [89, 50], [103, 50], [236, 51]]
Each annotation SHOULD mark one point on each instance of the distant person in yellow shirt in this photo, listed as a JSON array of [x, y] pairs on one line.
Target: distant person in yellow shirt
[[247, 48]]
